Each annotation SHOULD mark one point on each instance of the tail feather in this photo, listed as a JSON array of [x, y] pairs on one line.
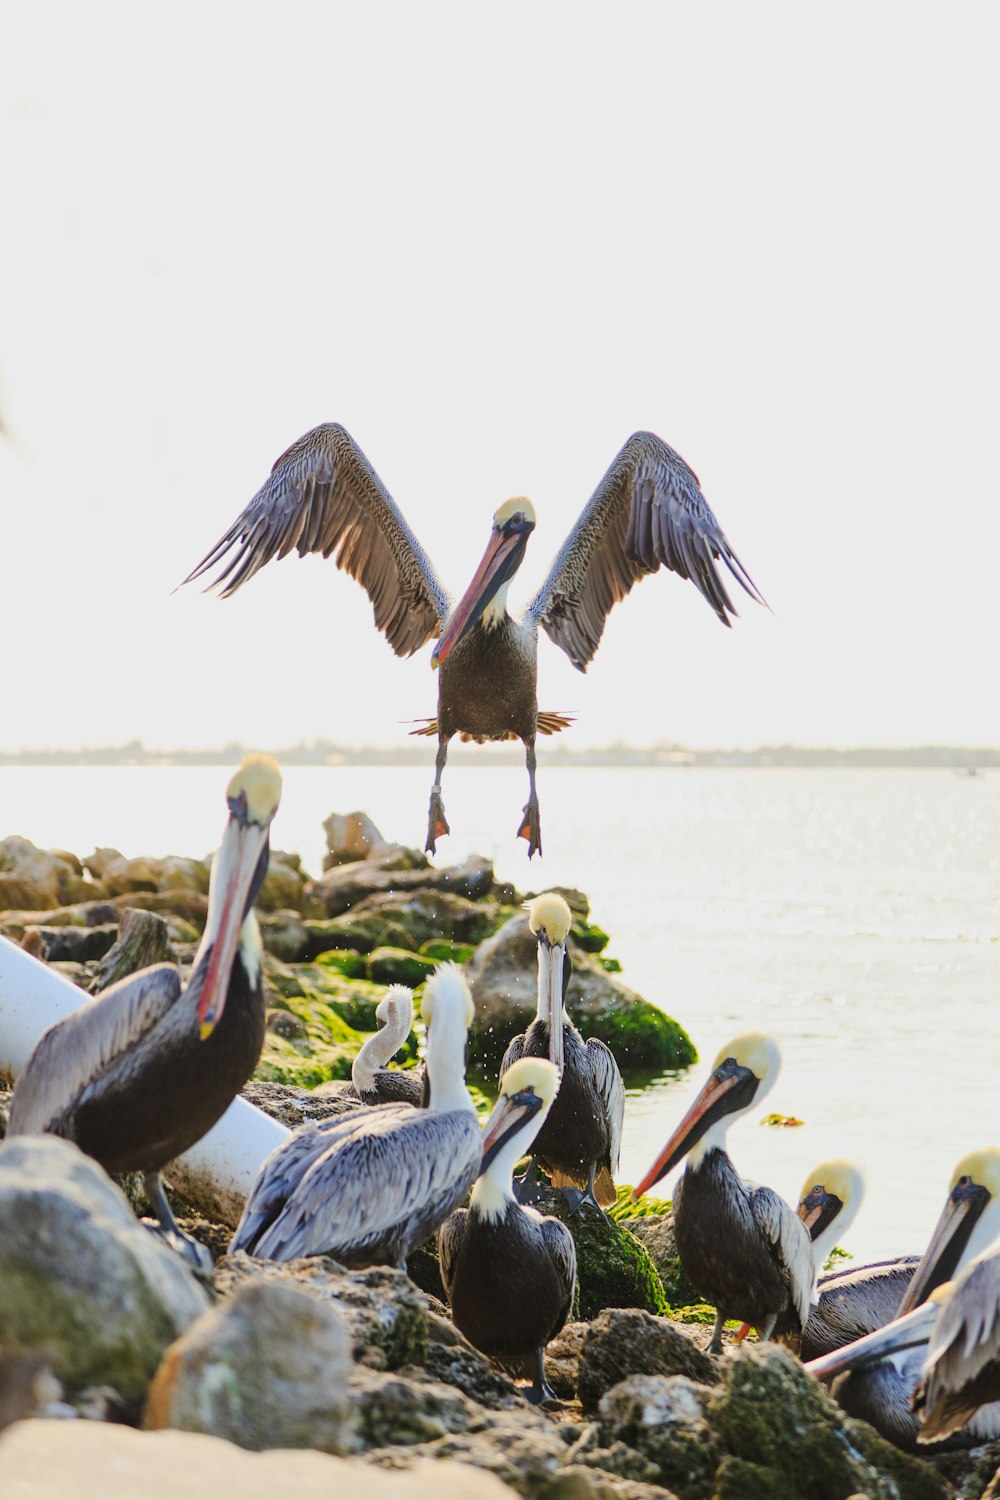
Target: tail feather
[[548, 723], [604, 1188]]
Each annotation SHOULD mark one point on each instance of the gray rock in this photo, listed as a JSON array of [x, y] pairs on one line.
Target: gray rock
[[349, 836], [664, 1418], [655, 1232], [522, 1449], [143, 938], [283, 933], [293, 1106], [38, 880], [92, 1461], [386, 1314], [562, 1359], [77, 945], [284, 885], [79, 1277], [343, 888], [399, 1409], [267, 1369], [624, 1341]]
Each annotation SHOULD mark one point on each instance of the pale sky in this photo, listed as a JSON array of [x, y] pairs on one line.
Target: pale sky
[[493, 241]]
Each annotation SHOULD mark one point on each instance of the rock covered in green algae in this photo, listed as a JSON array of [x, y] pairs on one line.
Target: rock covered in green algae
[[80, 1278], [612, 1268], [783, 1437], [663, 1417], [268, 1368], [503, 976]]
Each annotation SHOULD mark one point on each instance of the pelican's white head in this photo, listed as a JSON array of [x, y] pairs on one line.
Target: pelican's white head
[[527, 1091], [969, 1222], [828, 1204]]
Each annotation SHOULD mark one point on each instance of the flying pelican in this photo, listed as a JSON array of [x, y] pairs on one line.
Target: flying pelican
[[876, 1376], [371, 1081], [580, 1141], [324, 496], [370, 1186], [140, 1073], [509, 1271], [828, 1205], [741, 1245]]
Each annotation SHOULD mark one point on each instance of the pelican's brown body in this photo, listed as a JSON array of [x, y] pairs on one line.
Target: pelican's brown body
[[487, 688]]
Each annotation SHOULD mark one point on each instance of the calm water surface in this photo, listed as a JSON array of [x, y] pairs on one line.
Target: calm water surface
[[854, 914]]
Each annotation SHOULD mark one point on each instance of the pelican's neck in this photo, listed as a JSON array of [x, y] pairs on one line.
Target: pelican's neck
[[984, 1234], [446, 1068], [494, 1191], [828, 1237], [496, 611], [251, 949], [714, 1139], [375, 1053]]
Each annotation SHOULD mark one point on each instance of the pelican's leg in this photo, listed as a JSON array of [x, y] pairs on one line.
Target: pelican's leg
[[539, 1390], [765, 1332], [526, 1188], [168, 1228], [531, 824], [715, 1345], [576, 1199], [437, 823]]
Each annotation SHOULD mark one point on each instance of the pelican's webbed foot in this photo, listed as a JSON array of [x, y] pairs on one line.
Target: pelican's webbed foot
[[539, 1392], [531, 827], [577, 1197], [437, 823], [167, 1229]]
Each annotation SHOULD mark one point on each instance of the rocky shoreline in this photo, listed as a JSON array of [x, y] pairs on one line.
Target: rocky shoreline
[[100, 1321]]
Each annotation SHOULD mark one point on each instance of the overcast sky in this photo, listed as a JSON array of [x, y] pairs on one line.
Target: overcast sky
[[494, 241]]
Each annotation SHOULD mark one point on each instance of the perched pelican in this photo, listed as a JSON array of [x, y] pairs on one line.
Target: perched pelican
[[741, 1245], [324, 496], [960, 1381], [509, 1271], [371, 1081], [370, 1186], [876, 1376], [140, 1073], [580, 1141], [853, 1301], [828, 1205]]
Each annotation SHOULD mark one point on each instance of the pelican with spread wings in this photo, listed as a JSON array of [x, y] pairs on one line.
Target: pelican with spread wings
[[648, 511]]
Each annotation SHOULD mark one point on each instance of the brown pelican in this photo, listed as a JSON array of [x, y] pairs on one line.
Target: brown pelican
[[828, 1205], [370, 1186], [741, 1245], [371, 1081], [876, 1376], [580, 1141], [509, 1271], [140, 1073], [648, 511]]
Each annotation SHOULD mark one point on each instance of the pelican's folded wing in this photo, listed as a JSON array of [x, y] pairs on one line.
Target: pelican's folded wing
[[324, 496], [610, 1086], [792, 1246], [75, 1053], [647, 512], [962, 1371]]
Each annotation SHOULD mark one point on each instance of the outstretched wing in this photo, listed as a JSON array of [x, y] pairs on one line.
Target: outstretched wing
[[324, 496], [608, 1080], [791, 1243], [408, 1165], [646, 512], [75, 1052]]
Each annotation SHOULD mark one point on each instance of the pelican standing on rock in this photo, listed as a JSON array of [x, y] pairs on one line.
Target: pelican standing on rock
[[742, 1246], [648, 511], [370, 1186], [876, 1376], [372, 1082], [140, 1073], [509, 1271], [579, 1142]]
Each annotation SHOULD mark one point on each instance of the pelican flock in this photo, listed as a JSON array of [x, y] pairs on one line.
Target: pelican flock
[[139, 1074], [648, 512]]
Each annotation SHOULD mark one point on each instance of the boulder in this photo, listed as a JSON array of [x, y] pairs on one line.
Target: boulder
[[98, 862], [284, 885], [39, 880], [267, 1369], [343, 888], [782, 1435], [397, 1409], [398, 966], [295, 1106], [283, 934], [75, 945], [80, 1278], [386, 1314], [623, 1342], [612, 1268], [503, 977], [349, 837], [655, 1232], [664, 1418], [562, 1360], [94, 1461], [521, 1448]]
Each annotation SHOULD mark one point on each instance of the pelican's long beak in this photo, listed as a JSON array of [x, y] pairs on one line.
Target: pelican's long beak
[[501, 560], [940, 1261], [509, 1116], [238, 872], [903, 1333], [725, 1091], [553, 962]]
